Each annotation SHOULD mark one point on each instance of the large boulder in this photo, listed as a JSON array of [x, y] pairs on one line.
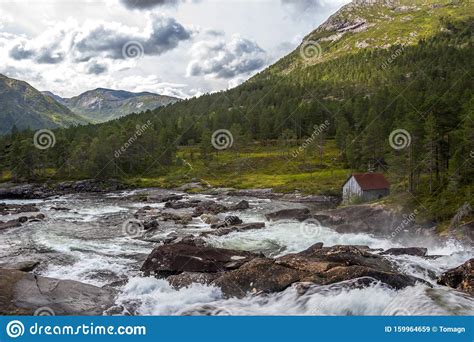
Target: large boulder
[[461, 277], [299, 214], [176, 258], [318, 265], [23, 293], [257, 276]]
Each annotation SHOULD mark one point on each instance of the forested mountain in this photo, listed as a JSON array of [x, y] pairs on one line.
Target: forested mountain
[[23, 106], [100, 105], [369, 70]]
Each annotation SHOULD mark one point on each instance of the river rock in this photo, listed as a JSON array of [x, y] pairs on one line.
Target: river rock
[[10, 224], [187, 279], [209, 219], [242, 205], [209, 207], [237, 228], [299, 214], [317, 264], [177, 258], [23, 293], [257, 276], [25, 266], [461, 277], [415, 251], [11, 209], [166, 198], [228, 221]]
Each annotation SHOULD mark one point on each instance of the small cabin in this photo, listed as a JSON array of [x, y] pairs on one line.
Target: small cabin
[[365, 187]]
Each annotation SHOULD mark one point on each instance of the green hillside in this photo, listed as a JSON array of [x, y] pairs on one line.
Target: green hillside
[[23, 106], [370, 70]]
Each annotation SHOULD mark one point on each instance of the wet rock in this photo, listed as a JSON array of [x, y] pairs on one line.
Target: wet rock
[[228, 221], [31, 191], [9, 224], [177, 218], [393, 279], [318, 265], [186, 279], [25, 266], [209, 207], [12, 209], [209, 219], [23, 293], [166, 198], [237, 228], [299, 214], [60, 208], [22, 219], [150, 224], [177, 258], [415, 251], [180, 205], [40, 217], [461, 277], [257, 276], [242, 205]]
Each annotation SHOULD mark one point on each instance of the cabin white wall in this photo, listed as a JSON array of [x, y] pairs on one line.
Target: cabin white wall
[[351, 189]]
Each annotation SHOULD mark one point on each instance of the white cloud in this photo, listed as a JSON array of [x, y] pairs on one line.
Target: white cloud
[[219, 58]]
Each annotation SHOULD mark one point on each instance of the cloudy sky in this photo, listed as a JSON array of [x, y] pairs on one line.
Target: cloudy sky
[[173, 47]]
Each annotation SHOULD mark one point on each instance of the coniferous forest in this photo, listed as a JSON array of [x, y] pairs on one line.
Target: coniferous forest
[[426, 90]]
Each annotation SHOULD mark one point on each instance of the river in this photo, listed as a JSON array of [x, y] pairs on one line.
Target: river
[[87, 243]]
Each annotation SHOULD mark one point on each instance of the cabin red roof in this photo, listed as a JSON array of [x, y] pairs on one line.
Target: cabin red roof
[[371, 181]]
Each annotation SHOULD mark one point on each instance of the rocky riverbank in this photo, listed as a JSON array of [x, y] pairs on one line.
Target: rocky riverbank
[[112, 248]]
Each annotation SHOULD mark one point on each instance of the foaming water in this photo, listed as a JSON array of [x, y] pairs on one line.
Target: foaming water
[[149, 296], [291, 237], [87, 243]]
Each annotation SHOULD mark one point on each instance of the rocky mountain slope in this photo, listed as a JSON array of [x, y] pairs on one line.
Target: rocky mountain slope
[[367, 24], [100, 105], [23, 106]]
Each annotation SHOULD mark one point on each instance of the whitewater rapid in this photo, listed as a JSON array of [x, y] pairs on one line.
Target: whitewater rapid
[[87, 244]]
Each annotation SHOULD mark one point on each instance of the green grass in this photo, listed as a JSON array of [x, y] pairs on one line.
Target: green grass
[[258, 166]]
